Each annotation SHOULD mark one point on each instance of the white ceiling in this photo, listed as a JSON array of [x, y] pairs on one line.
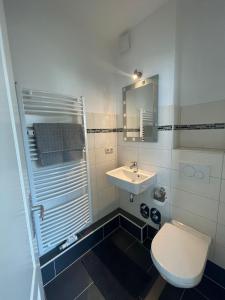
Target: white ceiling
[[110, 18]]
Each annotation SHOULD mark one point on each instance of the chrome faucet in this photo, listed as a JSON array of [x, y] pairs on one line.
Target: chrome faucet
[[134, 166]]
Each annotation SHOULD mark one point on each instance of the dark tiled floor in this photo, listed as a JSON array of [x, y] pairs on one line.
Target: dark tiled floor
[[120, 268]]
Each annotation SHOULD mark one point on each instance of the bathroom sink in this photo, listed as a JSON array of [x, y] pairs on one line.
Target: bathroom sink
[[130, 181]]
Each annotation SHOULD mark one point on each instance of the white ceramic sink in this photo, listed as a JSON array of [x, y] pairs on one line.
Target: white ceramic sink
[[126, 179]]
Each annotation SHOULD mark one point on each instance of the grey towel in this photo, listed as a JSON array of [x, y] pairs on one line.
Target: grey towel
[[73, 137], [57, 142]]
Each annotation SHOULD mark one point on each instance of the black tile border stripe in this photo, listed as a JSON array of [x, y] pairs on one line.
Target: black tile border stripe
[[200, 126], [206, 126]]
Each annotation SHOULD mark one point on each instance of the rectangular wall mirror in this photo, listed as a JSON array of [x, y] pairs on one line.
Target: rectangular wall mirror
[[140, 111]]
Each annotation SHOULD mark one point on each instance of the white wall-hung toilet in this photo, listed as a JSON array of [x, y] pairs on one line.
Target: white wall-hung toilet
[[179, 253]]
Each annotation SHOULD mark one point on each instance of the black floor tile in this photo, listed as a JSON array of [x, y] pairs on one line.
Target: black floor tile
[[147, 243], [103, 278], [69, 284], [211, 290], [215, 272], [171, 293], [122, 239], [115, 274], [140, 255], [92, 293], [192, 294]]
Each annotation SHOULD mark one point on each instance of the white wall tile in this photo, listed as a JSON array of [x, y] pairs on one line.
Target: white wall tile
[[90, 120], [164, 141], [104, 120], [209, 190], [219, 257], [221, 213], [91, 141], [202, 224], [220, 234], [208, 158], [101, 156], [214, 139], [157, 157], [210, 112], [163, 174], [222, 192], [107, 201], [126, 154], [164, 115], [105, 139], [101, 177], [223, 173], [91, 156], [198, 205]]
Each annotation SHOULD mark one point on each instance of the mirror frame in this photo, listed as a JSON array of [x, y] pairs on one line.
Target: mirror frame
[[154, 81]]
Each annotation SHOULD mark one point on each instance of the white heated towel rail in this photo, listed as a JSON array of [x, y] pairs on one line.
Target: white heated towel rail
[[60, 191], [146, 119]]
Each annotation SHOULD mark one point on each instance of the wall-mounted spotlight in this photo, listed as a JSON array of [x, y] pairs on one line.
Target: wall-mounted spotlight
[[137, 75]]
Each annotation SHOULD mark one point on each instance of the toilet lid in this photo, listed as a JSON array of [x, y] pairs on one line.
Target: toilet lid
[[180, 254]]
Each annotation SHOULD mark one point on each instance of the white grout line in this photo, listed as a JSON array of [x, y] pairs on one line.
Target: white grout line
[[114, 230], [90, 284], [134, 242], [208, 277], [129, 233], [182, 295], [200, 293]]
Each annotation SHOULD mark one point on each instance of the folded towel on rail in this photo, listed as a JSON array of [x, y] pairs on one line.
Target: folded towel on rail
[[59, 142]]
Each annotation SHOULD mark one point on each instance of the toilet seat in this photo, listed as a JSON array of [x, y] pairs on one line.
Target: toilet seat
[[179, 253]]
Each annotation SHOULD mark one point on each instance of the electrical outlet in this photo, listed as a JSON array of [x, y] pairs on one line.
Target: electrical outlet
[[109, 150]]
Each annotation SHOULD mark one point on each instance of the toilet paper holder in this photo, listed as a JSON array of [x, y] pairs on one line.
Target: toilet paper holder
[[159, 194]]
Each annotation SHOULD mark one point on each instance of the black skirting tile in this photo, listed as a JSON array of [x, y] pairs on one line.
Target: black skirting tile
[[92, 293], [79, 249], [140, 256], [192, 294], [48, 272], [111, 226], [171, 293], [147, 244], [215, 272], [145, 232], [69, 283], [131, 228], [99, 223], [134, 219], [115, 274], [54, 252], [210, 289], [151, 232], [121, 239]]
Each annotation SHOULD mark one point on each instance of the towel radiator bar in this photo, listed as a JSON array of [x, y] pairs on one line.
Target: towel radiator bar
[[60, 194]]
